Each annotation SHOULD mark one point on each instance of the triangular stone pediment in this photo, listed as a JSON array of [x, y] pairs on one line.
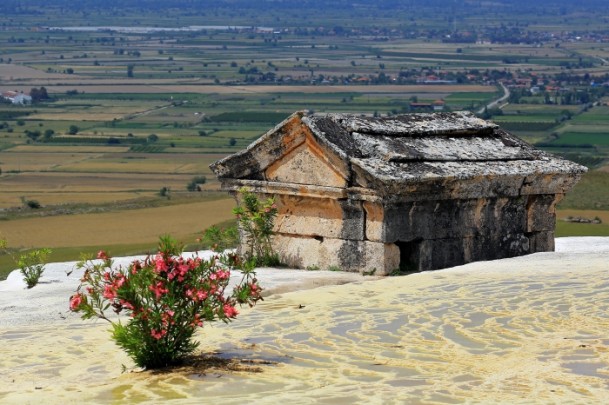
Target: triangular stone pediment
[[290, 153], [306, 164]]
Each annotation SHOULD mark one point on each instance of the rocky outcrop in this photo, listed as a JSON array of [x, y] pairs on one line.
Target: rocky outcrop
[[417, 192]]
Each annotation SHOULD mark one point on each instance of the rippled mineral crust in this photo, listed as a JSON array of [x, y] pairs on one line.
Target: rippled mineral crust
[[526, 330]]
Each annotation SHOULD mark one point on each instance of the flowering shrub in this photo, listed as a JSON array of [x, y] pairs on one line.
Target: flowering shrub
[[256, 219], [166, 298]]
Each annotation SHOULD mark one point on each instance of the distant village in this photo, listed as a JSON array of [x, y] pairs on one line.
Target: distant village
[[19, 97], [16, 97], [564, 88]]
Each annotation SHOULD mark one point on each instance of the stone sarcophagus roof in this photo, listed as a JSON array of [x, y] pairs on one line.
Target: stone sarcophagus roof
[[386, 180]]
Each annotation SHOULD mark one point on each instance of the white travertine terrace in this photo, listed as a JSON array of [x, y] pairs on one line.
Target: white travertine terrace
[[522, 330]]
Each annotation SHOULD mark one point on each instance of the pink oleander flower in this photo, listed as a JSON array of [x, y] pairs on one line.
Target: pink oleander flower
[[179, 272], [230, 311], [167, 318], [158, 334], [197, 321], [159, 263], [254, 288], [75, 301], [183, 268], [158, 289], [109, 292], [119, 281], [223, 274], [201, 295], [127, 304], [102, 255]]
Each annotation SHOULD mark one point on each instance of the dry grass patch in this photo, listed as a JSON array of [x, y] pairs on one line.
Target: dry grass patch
[[82, 182], [604, 169], [10, 72], [13, 199], [91, 115], [141, 163], [34, 161], [145, 225], [62, 188], [215, 89], [69, 149], [62, 178]]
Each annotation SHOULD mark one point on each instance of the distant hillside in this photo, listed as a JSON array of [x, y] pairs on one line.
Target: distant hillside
[[201, 6]]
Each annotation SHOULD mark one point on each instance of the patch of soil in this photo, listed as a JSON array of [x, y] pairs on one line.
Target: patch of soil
[[205, 363]]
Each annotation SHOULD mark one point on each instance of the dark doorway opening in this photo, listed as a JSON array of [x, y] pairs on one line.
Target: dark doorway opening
[[410, 255]]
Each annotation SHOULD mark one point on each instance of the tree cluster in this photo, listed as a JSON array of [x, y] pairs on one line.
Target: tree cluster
[[39, 94]]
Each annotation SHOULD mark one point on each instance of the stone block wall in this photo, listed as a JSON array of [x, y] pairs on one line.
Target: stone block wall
[[366, 236], [420, 191]]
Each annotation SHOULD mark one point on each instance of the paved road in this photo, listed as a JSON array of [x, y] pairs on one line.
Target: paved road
[[497, 102]]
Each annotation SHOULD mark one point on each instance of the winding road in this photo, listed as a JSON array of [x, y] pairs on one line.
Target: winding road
[[495, 103]]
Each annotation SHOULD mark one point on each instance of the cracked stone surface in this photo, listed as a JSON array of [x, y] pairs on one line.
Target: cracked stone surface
[[415, 192]]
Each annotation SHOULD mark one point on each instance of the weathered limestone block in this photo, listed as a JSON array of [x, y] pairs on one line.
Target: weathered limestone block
[[503, 216], [443, 219], [549, 183], [541, 212], [354, 220], [369, 257], [431, 254], [375, 221], [353, 256], [324, 217], [492, 246], [542, 241], [308, 216]]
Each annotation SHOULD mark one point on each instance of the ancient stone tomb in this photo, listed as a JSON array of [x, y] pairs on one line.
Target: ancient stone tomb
[[410, 192]]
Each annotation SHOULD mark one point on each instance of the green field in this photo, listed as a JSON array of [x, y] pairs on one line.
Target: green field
[[136, 110]]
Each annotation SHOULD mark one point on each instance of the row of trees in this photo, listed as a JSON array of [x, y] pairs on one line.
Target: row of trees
[[580, 96]]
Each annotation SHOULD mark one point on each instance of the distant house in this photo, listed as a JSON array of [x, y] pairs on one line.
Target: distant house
[[433, 79], [22, 99], [438, 105], [421, 107], [17, 97]]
